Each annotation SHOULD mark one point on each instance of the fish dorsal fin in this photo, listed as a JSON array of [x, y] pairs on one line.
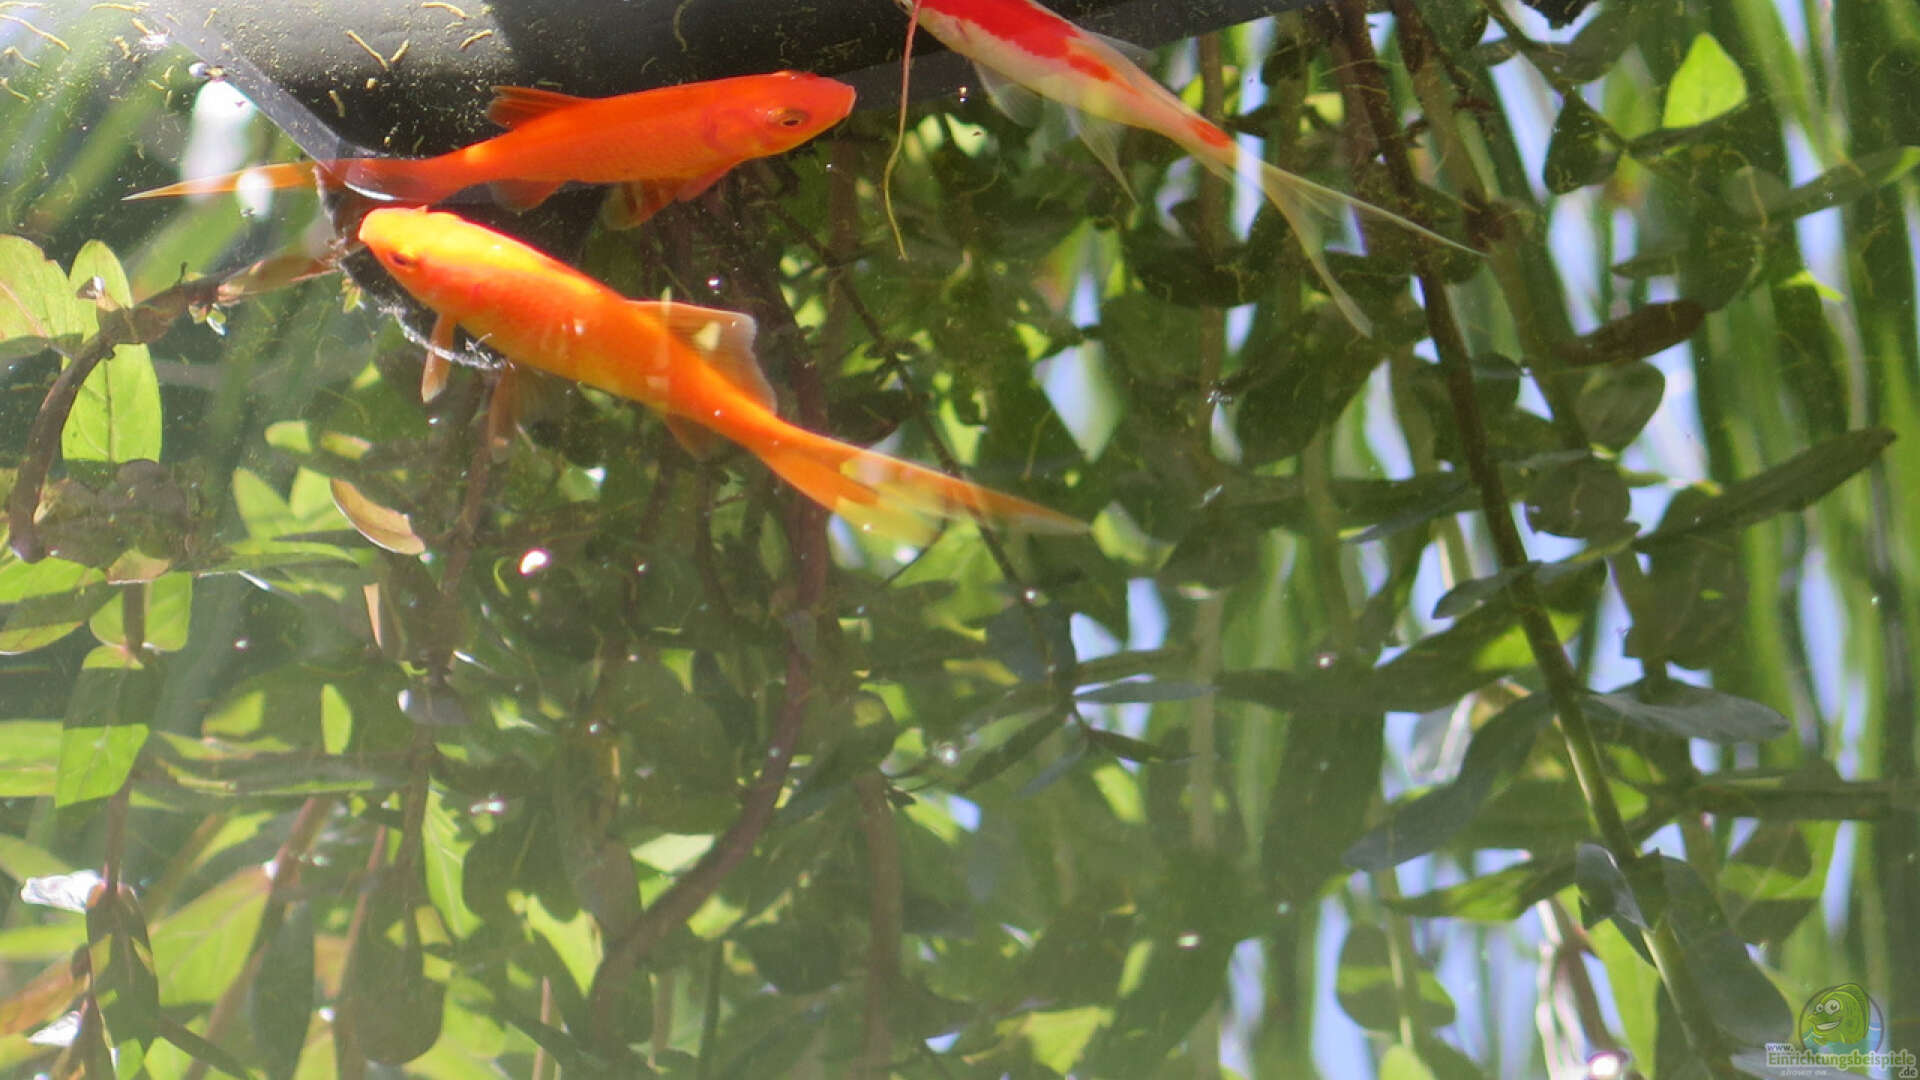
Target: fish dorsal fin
[[515, 105], [1138, 55], [724, 338], [1018, 102]]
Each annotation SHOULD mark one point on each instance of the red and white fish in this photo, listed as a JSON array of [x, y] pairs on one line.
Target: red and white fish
[[1022, 48]]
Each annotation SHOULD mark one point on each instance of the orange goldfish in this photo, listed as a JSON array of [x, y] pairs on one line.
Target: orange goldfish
[[1022, 49], [659, 145], [693, 364]]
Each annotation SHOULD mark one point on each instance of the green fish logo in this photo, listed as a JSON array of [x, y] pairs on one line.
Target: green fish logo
[[1836, 1020]]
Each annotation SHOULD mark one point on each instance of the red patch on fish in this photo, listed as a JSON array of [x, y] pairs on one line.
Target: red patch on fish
[[1028, 26]]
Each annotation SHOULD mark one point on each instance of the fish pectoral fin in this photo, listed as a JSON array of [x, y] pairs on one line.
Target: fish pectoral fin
[[515, 105], [701, 442], [1103, 142], [723, 338], [1018, 102], [435, 371]]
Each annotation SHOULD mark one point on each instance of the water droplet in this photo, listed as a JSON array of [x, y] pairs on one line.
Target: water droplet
[[491, 806], [1031, 596], [640, 568], [1188, 940], [241, 644], [597, 727], [947, 755], [715, 282], [1325, 661], [534, 561], [1284, 907]]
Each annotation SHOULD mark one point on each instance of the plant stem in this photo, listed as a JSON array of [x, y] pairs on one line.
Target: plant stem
[[1345, 27]]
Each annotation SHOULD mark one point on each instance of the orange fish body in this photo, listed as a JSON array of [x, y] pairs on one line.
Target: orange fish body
[[693, 364], [662, 145], [1021, 47]]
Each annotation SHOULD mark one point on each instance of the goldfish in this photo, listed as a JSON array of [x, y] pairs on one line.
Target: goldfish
[[659, 145], [695, 365], [1022, 49]]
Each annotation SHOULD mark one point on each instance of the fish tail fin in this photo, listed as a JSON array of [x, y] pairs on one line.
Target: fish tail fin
[[1306, 205], [416, 181], [897, 499], [285, 175]]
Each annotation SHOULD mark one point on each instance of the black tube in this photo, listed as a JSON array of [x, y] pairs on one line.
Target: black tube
[[412, 77]]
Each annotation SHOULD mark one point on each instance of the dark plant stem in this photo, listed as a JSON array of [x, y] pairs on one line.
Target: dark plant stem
[[883, 921], [284, 880], [1344, 27], [807, 550]]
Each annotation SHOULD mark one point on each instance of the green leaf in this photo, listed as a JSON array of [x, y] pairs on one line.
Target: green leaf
[[1843, 183], [1499, 897], [1422, 824], [1617, 401], [1772, 881], [1742, 1000], [1365, 988], [40, 621], [1791, 485], [29, 762], [1642, 332], [95, 761], [280, 998], [1677, 708], [1708, 84], [1579, 151], [1143, 690], [37, 306], [1329, 778], [1583, 499], [116, 417], [1400, 1062]]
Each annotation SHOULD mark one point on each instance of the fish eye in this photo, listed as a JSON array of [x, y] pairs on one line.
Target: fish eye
[[790, 118], [401, 259]]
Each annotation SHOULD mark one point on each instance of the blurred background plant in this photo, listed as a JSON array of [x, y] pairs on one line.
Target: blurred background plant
[[373, 745]]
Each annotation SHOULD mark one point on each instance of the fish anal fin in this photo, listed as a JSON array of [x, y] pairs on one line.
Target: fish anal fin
[[523, 194], [632, 203], [724, 338], [701, 442], [503, 410], [515, 105]]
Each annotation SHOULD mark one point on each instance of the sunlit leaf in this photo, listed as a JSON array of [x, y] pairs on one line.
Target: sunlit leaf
[[1707, 85], [116, 418], [383, 526]]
